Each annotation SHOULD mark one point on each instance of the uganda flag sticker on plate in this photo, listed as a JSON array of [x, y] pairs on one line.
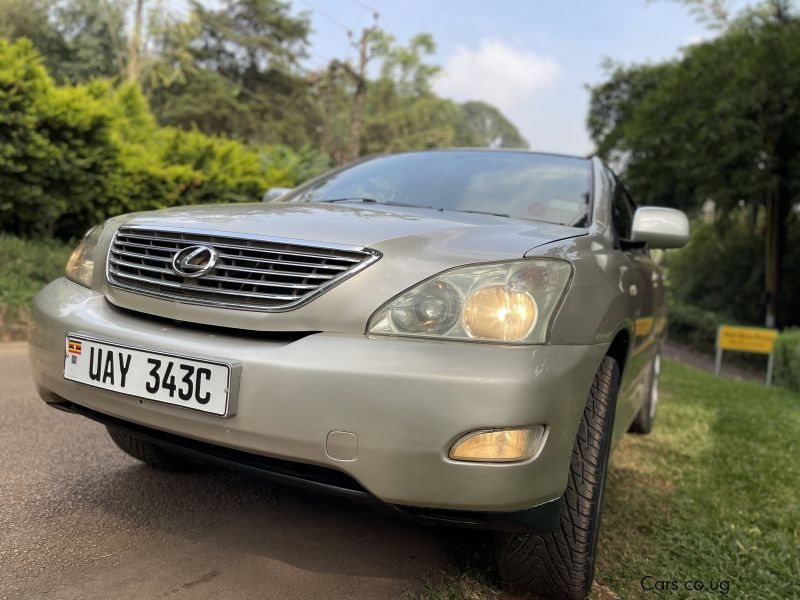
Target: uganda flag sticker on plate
[[74, 347]]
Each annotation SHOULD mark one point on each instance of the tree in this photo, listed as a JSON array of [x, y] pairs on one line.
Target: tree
[[398, 110], [613, 104], [490, 127], [722, 123], [77, 39], [30, 19], [135, 46], [235, 70]]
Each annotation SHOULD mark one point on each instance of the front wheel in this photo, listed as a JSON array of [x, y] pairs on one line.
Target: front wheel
[[559, 564]]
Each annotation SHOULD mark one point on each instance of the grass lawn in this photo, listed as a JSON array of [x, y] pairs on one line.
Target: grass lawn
[[710, 496], [26, 266]]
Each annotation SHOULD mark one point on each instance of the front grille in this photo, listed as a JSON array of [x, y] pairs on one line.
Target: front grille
[[251, 272]]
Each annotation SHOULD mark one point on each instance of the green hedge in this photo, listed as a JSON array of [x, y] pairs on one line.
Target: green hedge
[[725, 259], [26, 267], [693, 326], [787, 359], [71, 156]]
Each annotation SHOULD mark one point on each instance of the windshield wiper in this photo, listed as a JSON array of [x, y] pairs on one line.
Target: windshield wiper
[[383, 202], [367, 200], [481, 212], [354, 199]]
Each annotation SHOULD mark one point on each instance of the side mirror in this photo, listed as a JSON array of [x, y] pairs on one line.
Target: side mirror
[[275, 193], [660, 227]]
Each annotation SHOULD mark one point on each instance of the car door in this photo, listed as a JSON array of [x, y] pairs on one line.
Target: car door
[[637, 273]]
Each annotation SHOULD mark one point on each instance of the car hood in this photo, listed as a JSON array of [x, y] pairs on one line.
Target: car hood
[[415, 243]]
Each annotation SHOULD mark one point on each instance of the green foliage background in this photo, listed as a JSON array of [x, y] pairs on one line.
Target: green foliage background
[[721, 270], [719, 125], [26, 267], [787, 359], [72, 155]]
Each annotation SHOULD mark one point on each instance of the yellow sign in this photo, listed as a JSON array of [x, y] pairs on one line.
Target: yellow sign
[[643, 326], [746, 339]]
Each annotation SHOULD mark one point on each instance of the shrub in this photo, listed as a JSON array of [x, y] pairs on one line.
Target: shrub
[[722, 269], [787, 359], [723, 260], [26, 267], [694, 326], [56, 147], [71, 156]]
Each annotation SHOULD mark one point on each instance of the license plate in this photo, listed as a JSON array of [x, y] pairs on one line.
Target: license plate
[[184, 381]]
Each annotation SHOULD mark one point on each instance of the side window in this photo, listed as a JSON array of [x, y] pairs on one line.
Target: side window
[[622, 212]]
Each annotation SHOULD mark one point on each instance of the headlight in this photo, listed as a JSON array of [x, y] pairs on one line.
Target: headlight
[[502, 302], [80, 265]]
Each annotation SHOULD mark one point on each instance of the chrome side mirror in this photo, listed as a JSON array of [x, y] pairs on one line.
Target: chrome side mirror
[[660, 227], [273, 194]]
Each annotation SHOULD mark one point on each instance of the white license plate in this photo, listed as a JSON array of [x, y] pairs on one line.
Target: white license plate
[[180, 380]]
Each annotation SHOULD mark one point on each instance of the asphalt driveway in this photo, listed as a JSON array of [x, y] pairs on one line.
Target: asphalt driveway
[[80, 519]]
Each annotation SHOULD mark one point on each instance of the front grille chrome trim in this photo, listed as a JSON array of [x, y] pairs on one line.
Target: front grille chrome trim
[[287, 273], [235, 247]]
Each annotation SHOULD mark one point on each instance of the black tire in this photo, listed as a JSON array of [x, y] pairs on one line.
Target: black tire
[[559, 564], [643, 423], [150, 453]]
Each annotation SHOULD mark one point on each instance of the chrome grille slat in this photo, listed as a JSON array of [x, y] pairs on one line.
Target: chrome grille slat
[[253, 249], [147, 247], [261, 282], [123, 263], [214, 290], [275, 272], [281, 274], [166, 259], [283, 262]]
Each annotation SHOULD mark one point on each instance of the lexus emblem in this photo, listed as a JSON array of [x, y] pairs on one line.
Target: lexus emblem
[[194, 261]]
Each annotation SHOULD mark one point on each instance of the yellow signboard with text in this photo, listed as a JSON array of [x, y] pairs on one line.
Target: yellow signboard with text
[[746, 339], [643, 326]]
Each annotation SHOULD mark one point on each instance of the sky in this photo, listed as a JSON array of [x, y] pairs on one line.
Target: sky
[[530, 58]]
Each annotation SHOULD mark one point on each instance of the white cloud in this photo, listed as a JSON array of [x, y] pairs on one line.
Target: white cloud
[[697, 38], [495, 73]]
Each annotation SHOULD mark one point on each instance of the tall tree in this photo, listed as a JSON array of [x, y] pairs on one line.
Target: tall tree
[[78, 39], [722, 123], [398, 108], [246, 55], [136, 41], [490, 127]]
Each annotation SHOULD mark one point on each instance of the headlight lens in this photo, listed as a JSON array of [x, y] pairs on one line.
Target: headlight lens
[[80, 265], [504, 302], [433, 309], [499, 314]]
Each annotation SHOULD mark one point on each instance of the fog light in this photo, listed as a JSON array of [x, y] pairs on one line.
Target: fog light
[[499, 445]]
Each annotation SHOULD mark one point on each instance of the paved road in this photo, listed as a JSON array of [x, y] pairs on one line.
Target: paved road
[[80, 519]]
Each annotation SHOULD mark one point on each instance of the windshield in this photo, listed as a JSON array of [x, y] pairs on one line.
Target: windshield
[[522, 185]]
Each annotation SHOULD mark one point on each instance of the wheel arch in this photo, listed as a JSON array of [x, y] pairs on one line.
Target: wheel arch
[[620, 348]]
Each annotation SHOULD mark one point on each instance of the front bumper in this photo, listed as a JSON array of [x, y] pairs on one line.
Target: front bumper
[[405, 400]]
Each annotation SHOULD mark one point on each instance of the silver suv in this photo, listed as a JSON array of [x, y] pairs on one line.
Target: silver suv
[[461, 334]]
